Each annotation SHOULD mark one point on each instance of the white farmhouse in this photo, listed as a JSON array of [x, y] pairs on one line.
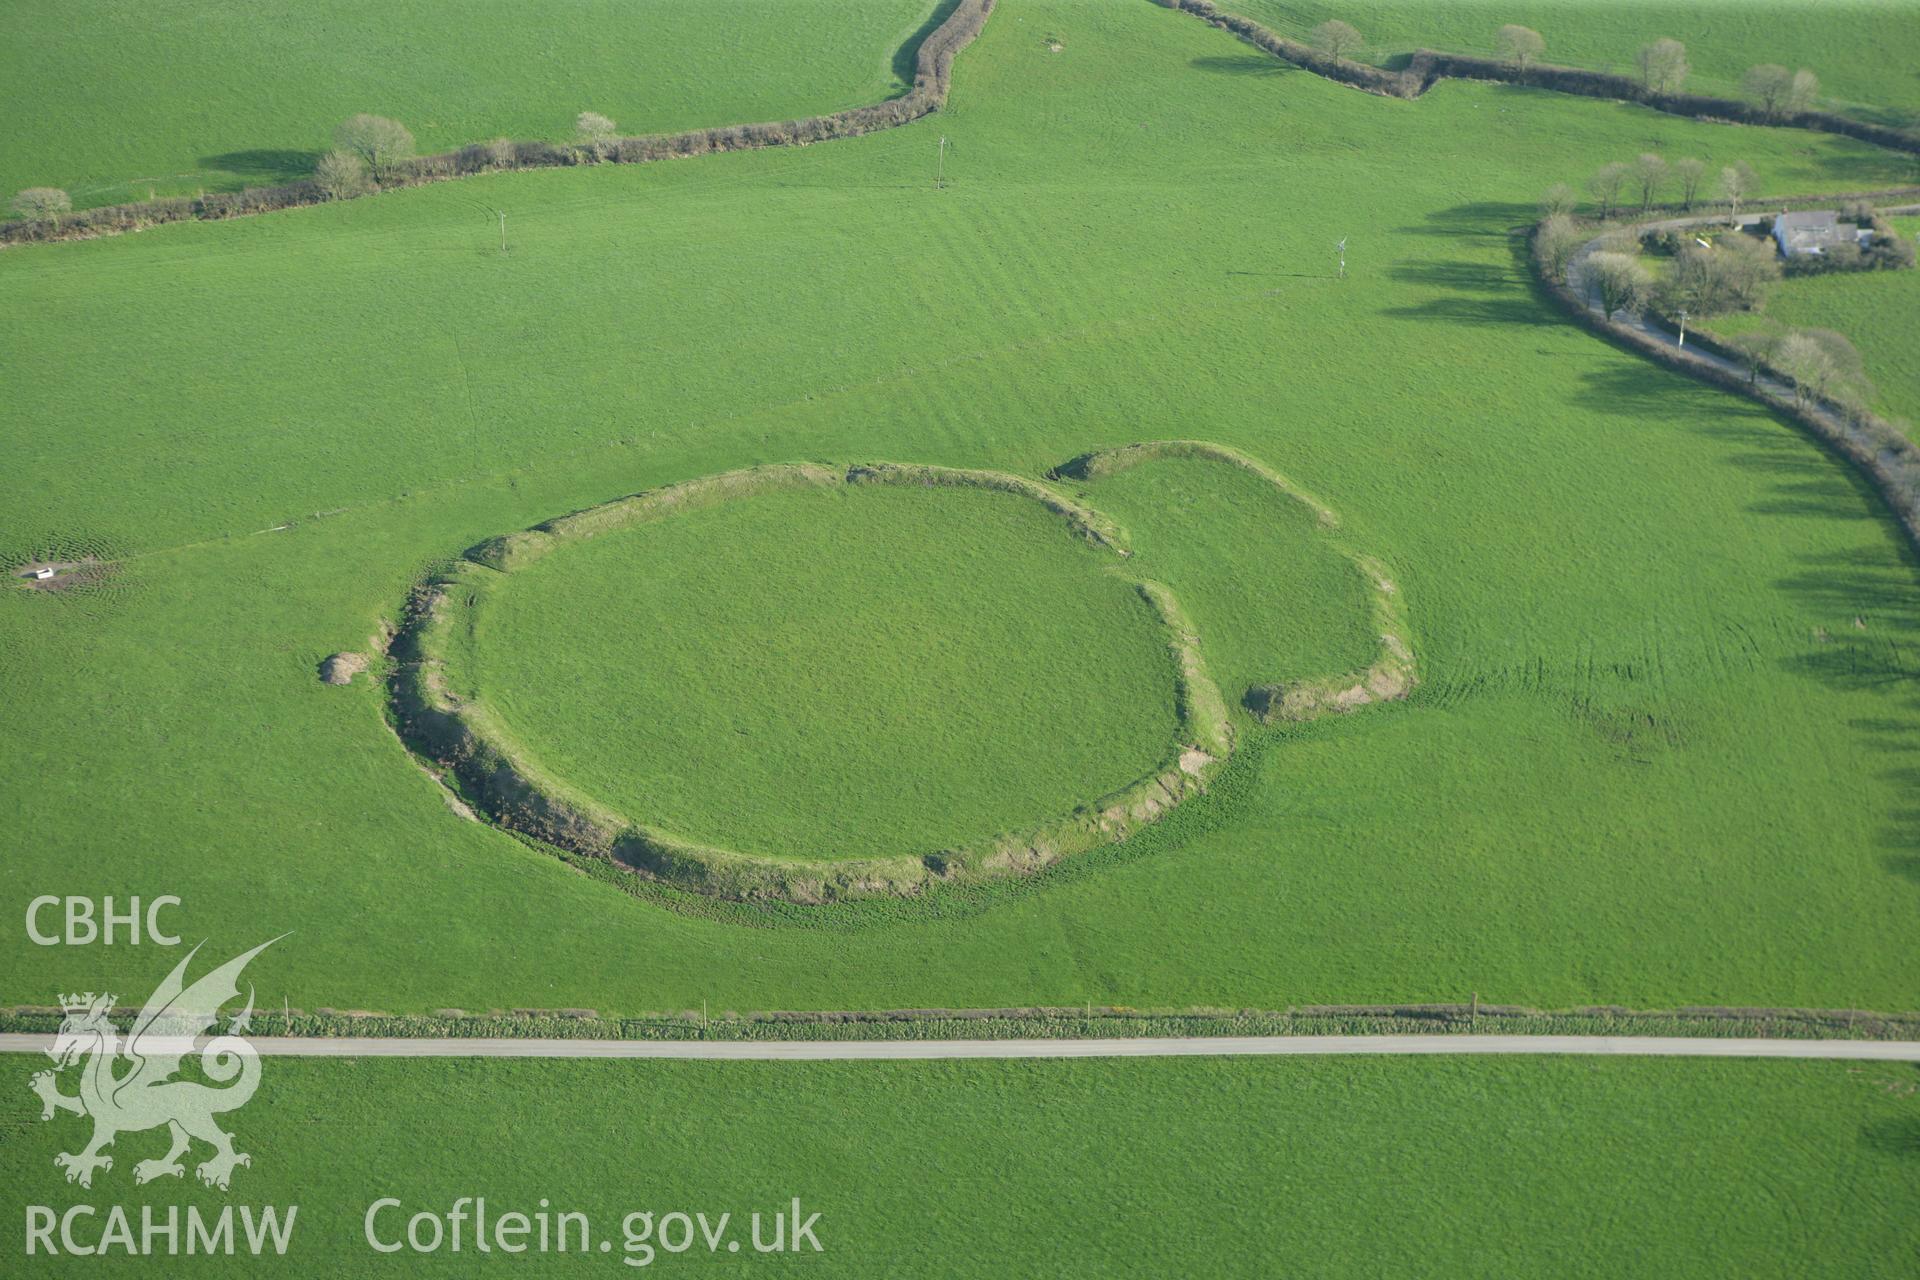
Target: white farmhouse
[[1814, 232]]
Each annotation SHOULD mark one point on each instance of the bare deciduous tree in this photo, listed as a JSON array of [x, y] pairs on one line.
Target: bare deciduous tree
[[1604, 186], [500, 153], [1842, 377], [1619, 279], [1748, 264], [1821, 363], [1769, 85], [593, 126], [1663, 65], [1736, 184], [1689, 173], [1522, 46], [1336, 37], [1755, 351], [1558, 198], [340, 174], [1555, 243], [1805, 88], [1806, 363], [1729, 276], [42, 202], [380, 142], [1649, 175]]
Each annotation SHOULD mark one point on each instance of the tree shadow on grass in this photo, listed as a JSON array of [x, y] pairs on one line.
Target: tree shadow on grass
[[1873, 582], [1480, 217], [1813, 494], [1871, 594], [908, 53], [264, 163], [1873, 659], [1475, 311], [1483, 293], [1636, 390], [1899, 1138], [1244, 65], [1820, 484], [1891, 117], [1476, 276]]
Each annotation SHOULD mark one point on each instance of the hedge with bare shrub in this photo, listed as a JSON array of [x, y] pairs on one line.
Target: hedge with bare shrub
[[933, 66], [1427, 67]]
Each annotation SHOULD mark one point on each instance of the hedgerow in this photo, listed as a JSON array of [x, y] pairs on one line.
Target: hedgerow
[[1428, 67], [1092, 1021], [933, 66]]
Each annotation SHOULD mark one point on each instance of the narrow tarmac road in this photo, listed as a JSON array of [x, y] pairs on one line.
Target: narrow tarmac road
[[1159, 1047]]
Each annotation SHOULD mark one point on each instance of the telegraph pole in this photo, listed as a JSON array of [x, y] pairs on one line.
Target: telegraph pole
[[940, 165], [1683, 328], [503, 231], [1341, 249]]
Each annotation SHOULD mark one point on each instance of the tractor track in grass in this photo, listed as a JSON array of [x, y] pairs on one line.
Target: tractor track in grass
[[1131, 1047]]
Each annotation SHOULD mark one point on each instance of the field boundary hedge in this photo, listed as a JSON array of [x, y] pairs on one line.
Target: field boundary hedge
[[1427, 67], [1056, 1022], [1878, 450], [501, 779], [1394, 670], [933, 66]]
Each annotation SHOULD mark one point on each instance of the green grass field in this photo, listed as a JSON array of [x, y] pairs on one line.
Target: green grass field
[[113, 99], [851, 672], [1652, 759], [1573, 1167]]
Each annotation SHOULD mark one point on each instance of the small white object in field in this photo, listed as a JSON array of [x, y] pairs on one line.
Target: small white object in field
[[1702, 243], [43, 574]]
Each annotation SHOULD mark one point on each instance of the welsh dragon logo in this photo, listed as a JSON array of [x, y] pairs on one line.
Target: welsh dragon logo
[[131, 1088]]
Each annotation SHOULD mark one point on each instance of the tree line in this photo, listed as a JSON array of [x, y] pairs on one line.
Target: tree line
[[1661, 65]]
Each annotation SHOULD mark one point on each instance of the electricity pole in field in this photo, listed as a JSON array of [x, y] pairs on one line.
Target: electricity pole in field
[[940, 165], [1683, 328], [1341, 249], [503, 231]]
